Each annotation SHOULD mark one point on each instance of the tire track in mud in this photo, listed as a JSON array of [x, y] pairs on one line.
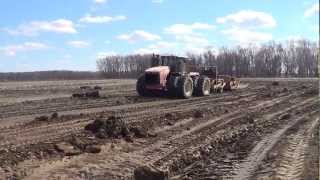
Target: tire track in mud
[[198, 135], [209, 127], [10, 96], [246, 169], [66, 104], [289, 162], [169, 145], [131, 116], [52, 131], [292, 161], [49, 107], [136, 109], [41, 134], [223, 168], [163, 149]]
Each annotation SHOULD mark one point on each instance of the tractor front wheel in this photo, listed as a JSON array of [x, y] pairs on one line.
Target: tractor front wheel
[[141, 87], [173, 85]]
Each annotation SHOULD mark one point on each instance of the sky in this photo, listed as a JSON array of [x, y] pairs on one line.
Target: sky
[[38, 35]]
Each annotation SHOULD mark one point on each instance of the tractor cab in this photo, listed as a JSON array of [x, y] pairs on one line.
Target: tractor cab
[[175, 64]]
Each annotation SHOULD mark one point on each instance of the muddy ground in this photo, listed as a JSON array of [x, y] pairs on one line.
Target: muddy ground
[[262, 131]]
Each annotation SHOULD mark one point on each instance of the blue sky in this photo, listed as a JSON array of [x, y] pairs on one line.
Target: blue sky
[[71, 34]]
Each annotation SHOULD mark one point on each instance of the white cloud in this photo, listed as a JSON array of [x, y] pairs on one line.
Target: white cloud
[[193, 39], [179, 29], [313, 10], [245, 36], [12, 50], [159, 47], [101, 19], [78, 44], [249, 18], [35, 27], [139, 35], [189, 37], [99, 1]]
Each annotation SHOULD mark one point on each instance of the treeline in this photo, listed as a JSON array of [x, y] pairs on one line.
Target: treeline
[[49, 75], [290, 59]]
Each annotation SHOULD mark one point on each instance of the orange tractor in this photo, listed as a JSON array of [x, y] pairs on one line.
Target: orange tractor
[[174, 75]]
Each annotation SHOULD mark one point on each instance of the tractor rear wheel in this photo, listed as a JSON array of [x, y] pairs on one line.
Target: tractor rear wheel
[[173, 85], [141, 87], [203, 87], [185, 87], [195, 80]]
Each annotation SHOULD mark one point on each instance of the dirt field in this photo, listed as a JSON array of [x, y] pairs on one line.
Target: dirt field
[[262, 131]]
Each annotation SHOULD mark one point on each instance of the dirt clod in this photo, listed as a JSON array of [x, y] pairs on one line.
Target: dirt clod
[[113, 127], [92, 93], [285, 116], [86, 92], [97, 87], [129, 138], [77, 142], [199, 114], [170, 116], [93, 149], [275, 83], [139, 132], [169, 123], [147, 172], [152, 134], [54, 115], [95, 126], [85, 87], [67, 149], [42, 118]]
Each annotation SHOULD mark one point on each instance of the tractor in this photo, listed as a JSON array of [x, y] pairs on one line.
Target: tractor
[[175, 76]]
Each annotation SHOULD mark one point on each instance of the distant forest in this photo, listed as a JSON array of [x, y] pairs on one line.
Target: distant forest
[[290, 59], [49, 75]]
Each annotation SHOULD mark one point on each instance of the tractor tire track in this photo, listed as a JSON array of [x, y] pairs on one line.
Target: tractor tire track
[[256, 156], [48, 130], [290, 161]]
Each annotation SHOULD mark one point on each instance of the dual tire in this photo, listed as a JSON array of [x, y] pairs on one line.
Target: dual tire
[[185, 86], [203, 87]]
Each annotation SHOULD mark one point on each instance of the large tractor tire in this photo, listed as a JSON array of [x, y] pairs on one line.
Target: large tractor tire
[[173, 85], [141, 87], [195, 80], [185, 87], [203, 87]]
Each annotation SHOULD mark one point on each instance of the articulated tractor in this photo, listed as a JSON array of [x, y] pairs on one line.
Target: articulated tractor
[[175, 76]]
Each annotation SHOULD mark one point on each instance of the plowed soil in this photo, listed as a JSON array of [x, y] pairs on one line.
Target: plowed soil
[[260, 131]]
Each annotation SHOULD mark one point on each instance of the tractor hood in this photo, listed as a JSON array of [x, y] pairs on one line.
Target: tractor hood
[[163, 69]]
